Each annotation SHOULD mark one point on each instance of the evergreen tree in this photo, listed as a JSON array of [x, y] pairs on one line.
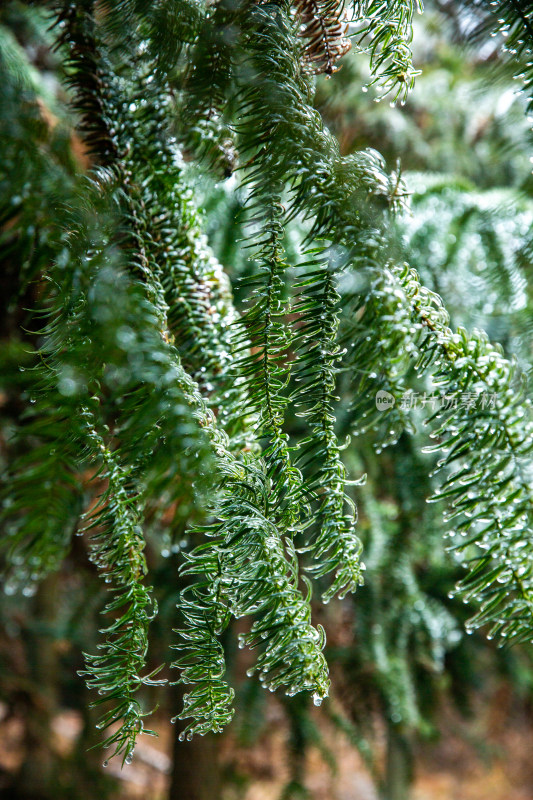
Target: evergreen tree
[[153, 406]]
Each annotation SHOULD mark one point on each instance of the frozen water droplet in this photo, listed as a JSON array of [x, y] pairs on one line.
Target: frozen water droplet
[[106, 763], [317, 699]]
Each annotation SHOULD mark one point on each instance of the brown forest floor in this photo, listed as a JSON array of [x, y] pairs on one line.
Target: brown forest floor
[[488, 756]]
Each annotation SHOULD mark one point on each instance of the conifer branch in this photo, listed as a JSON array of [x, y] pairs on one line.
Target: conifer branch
[[387, 27], [235, 574], [282, 150], [491, 497], [335, 546], [207, 86], [159, 268], [490, 493], [264, 362], [117, 546]]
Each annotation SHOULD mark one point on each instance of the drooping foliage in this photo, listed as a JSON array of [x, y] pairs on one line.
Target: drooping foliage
[[387, 30], [150, 394]]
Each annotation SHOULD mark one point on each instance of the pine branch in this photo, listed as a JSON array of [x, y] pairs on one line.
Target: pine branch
[[490, 493], [248, 571], [264, 363], [159, 268], [165, 242], [387, 27], [117, 550], [207, 84], [339, 217], [335, 547], [104, 331], [191, 285], [286, 150], [244, 570], [492, 498], [88, 342]]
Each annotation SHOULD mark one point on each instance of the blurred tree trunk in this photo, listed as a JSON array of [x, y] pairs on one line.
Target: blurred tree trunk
[[195, 768], [36, 775], [399, 768]]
